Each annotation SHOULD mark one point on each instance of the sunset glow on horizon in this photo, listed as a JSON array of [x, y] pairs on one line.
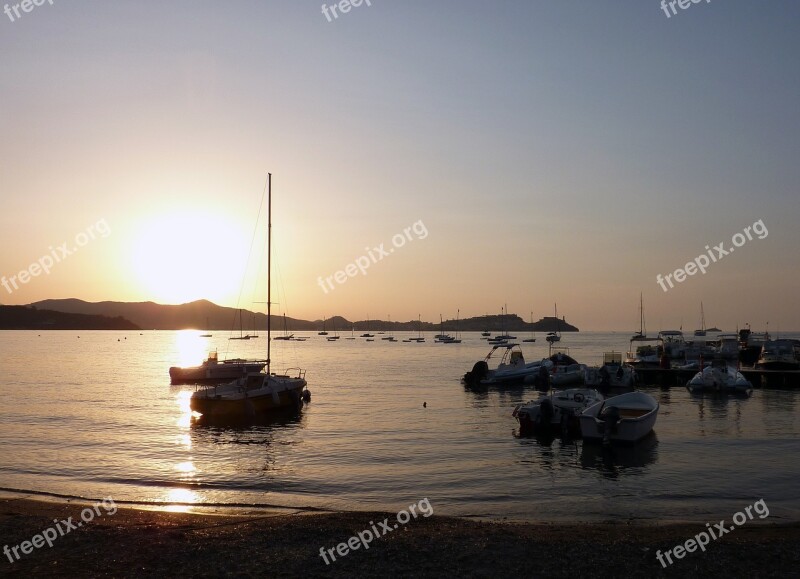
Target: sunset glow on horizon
[[556, 154]]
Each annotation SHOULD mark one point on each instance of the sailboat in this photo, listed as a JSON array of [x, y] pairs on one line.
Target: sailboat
[[241, 329], [533, 334], [505, 336], [367, 334], [335, 335], [390, 337], [441, 336], [257, 393], [286, 335], [207, 327], [643, 351], [702, 331], [419, 339], [255, 332], [553, 337], [454, 339], [323, 332]]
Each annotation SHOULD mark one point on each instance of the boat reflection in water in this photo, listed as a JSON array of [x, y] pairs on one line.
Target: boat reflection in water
[[616, 461]]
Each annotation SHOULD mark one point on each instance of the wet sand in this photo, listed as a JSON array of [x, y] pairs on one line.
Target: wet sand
[[142, 543]]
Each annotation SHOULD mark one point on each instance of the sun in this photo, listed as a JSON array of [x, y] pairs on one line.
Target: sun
[[182, 257]]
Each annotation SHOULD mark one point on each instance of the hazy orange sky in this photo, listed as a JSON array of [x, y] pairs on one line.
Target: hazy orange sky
[[562, 152]]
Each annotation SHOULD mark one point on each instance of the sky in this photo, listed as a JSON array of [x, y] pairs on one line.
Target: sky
[[467, 155]]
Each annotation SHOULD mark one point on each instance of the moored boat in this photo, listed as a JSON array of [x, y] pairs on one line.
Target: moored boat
[[780, 355], [720, 377], [512, 368], [213, 370], [625, 418], [566, 371], [612, 374], [256, 394], [557, 411]]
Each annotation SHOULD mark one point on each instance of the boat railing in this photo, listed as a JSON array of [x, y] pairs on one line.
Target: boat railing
[[300, 372]]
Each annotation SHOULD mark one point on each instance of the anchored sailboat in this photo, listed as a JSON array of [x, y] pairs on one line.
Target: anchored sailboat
[[256, 394]]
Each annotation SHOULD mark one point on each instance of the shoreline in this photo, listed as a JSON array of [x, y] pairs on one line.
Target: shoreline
[[141, 542]]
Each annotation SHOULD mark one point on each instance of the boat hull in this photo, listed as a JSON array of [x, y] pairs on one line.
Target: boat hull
[[638, 413], [717, 380], [238, 400]]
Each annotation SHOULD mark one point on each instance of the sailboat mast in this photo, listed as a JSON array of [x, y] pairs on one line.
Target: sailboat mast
[[269, 268]]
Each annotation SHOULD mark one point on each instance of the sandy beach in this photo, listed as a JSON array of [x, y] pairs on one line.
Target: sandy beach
[[145, 543]]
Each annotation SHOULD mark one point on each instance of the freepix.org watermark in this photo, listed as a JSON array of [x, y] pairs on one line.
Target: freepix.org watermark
[[364, 538], [702, 261], [376, 254], [45, 263], [61, 528], [702, 539], [25, 6], [666, 6], [343, 7]]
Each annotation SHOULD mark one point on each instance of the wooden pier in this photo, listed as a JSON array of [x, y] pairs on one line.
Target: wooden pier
[[759, 378]]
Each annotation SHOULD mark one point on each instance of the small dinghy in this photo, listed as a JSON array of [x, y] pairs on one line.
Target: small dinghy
[[625, 418], [720, 377]]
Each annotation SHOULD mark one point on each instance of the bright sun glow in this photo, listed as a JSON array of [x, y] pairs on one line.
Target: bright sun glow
[[178, 258]]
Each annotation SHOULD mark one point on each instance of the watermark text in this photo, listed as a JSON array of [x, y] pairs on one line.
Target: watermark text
[[384, 527], [704, 260], [375, 255], [45, 263]]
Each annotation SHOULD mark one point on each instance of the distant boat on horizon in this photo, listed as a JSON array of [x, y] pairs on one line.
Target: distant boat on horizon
[[241, 330]]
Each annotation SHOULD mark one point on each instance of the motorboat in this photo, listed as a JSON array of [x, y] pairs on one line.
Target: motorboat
[[566, 371], [612, 374], [512, 368], [556, 411], [256, 394], [780, 355], [212, 370], [553, 337], [720, 377], [673, 343], [644, 351], [625, 418], [728, 348], [750, 344]]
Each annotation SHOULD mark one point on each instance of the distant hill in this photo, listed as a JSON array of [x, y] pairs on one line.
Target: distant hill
[[205, 315], [200, 315], [33, 318]]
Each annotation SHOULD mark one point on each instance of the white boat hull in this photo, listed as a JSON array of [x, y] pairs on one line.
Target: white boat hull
[[719, 380], [637, 417]]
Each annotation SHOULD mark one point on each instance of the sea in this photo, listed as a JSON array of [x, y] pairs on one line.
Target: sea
[[92, 414]]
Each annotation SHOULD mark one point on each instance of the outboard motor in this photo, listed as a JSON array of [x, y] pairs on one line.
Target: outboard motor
[[610, 416], [546, 413], [479, 371]]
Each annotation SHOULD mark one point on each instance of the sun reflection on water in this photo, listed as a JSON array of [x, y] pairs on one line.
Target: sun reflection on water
[[192, 350], [180, 496], [183, 400]]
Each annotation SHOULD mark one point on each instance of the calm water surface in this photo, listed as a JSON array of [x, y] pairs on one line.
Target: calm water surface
[[95, 416]]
